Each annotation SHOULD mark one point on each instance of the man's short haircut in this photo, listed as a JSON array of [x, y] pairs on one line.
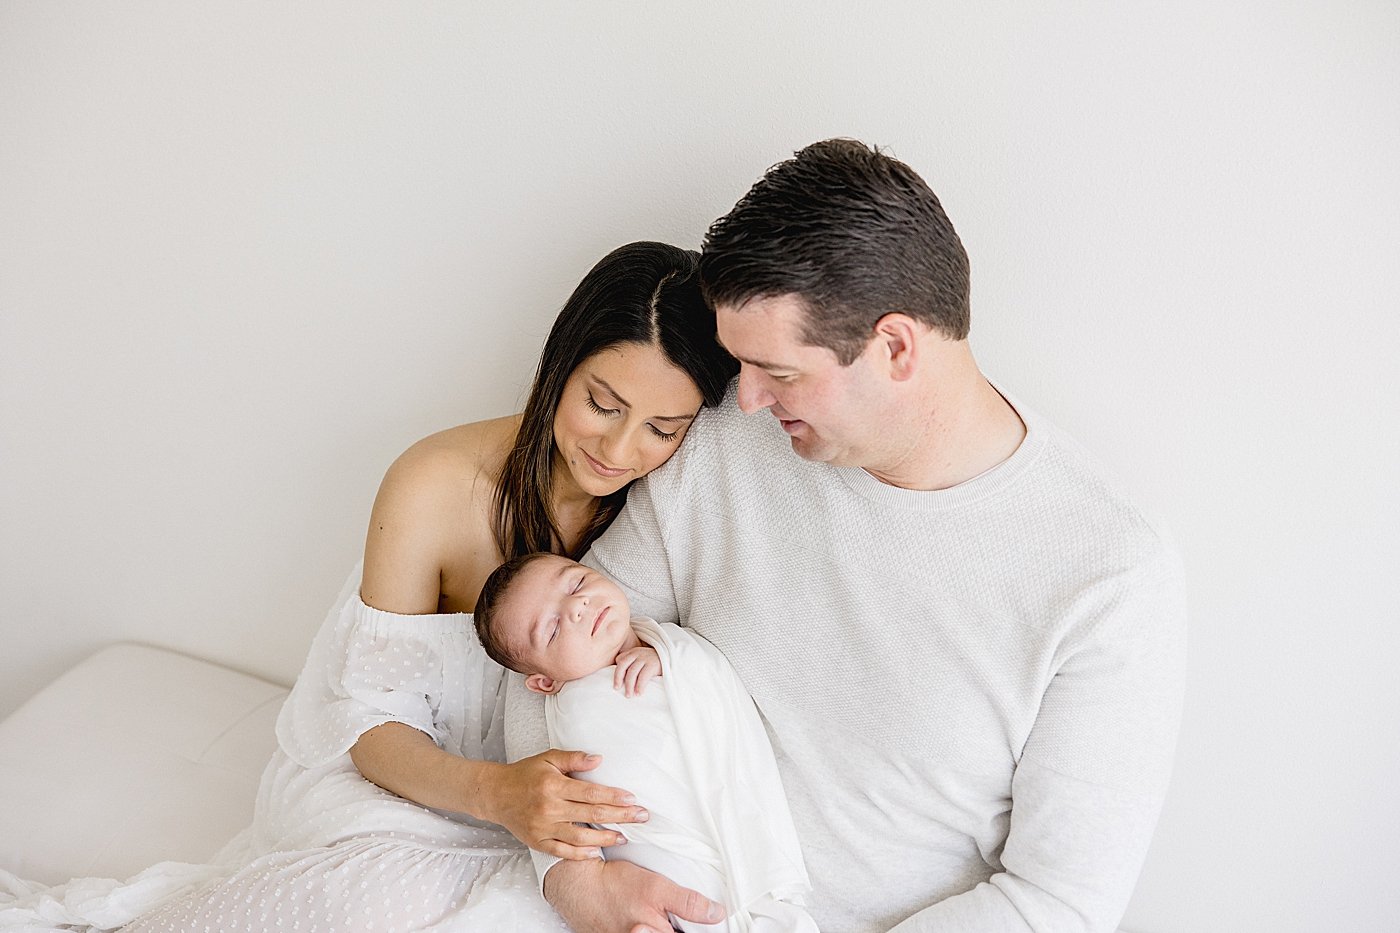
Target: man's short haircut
[[852, 232], [486, 615]]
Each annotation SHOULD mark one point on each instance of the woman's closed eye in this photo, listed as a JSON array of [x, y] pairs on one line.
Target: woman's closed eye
[[609, 412], [598, 409], [662, 434]]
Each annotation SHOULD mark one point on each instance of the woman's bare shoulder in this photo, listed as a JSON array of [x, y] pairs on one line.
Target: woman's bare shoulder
[[433, 513], [467, 449]]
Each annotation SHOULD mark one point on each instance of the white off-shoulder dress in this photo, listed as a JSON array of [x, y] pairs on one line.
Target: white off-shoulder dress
[[328, 850]]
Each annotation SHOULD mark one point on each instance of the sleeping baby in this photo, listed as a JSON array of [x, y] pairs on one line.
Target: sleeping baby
[[692, 749]]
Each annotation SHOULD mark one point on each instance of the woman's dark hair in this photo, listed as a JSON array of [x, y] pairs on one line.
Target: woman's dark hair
[[647, 293], [484, 615], [851, 231]]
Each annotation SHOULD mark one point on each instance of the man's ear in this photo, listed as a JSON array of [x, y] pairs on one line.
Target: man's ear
[[898, 335], [542, 684]]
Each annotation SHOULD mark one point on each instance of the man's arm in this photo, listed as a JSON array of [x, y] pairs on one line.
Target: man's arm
[[1091, 779]]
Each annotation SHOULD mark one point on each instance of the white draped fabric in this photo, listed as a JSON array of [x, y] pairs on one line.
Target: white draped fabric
[[328, 850]]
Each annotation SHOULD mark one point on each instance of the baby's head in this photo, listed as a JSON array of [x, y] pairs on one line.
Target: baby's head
[[551, 619]]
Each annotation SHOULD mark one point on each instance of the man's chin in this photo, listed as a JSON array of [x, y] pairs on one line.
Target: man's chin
[[808, 449]]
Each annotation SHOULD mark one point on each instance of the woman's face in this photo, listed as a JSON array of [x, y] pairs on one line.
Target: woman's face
[[623, 413]]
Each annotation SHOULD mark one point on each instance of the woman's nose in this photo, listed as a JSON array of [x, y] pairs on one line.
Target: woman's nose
[[616, 447]]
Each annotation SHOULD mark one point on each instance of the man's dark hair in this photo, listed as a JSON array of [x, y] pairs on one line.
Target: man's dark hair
[[854, 233], [487, 609]]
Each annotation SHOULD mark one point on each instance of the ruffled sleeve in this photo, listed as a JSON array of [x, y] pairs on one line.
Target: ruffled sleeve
[[368, 667]]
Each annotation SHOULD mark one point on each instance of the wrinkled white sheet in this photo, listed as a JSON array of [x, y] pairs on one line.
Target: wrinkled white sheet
[[327, 849], [695, 753]]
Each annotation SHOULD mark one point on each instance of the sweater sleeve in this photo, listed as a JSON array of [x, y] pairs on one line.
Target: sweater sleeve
[[634, 553], [1090, 782], [526, 735]]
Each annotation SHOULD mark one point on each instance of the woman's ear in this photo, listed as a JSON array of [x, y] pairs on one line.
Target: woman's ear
[[542, 684]]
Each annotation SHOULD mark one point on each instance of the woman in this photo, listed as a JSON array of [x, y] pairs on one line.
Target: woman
[[396, 689]]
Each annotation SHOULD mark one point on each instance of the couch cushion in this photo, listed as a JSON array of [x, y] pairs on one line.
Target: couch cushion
[[135, 756]]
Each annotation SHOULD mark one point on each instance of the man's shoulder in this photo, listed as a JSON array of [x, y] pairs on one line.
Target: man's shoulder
[[722, 440], [725, 422], [1091, 509]]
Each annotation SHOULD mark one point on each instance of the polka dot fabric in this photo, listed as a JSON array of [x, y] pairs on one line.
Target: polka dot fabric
[[368, 667], [328, 850], [368, 886]]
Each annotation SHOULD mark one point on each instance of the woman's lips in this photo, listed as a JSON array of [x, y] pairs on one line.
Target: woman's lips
[[791, 426], [601, 469]]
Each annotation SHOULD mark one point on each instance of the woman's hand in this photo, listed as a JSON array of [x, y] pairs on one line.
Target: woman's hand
[[635, 668], [537, 801]]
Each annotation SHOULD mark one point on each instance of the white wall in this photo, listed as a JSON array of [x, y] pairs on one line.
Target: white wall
[[248, 252]]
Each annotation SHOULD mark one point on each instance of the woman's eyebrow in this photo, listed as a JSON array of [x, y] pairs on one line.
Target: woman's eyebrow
[[622, 401], [611, 391]]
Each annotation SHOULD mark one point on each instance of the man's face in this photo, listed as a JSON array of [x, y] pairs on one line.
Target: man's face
[[565, 620], [831, 413]]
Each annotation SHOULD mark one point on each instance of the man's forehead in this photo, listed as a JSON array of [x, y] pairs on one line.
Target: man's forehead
[[767, 332]]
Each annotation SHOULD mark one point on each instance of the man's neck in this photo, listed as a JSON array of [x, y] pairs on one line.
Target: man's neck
[[964, 428]]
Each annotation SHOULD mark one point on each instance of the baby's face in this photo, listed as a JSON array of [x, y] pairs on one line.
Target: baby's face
[[564, 620]]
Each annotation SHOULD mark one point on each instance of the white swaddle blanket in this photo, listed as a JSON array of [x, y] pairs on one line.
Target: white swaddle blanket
[[694, 752]]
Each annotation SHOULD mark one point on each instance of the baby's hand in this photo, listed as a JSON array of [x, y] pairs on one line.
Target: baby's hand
[[635, 667]]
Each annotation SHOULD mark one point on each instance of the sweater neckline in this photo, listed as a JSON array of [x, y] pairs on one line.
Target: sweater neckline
[[984, 484]]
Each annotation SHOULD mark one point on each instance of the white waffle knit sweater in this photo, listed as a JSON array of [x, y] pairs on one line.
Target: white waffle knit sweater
[[973, 693]]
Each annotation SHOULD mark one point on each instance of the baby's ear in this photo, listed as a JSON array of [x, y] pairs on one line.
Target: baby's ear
[[542, 684]]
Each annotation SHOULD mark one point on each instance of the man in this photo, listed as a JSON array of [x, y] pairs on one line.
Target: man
[[966, 645]]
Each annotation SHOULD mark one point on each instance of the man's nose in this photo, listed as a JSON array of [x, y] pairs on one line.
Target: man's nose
[[752, 395]]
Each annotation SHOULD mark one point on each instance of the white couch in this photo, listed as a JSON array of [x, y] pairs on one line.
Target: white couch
[[135, 756]]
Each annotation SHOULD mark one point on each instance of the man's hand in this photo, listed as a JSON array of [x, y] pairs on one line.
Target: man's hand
[[595, 896], [537, 801], [635, 667]]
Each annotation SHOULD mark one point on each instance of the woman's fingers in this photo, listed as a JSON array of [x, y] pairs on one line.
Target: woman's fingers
[[568, 761], [582, 836], [582, 812], [563, 850], [548, 810]]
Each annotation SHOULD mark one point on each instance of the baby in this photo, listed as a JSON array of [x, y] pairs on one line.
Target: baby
[[694, 752], [564, 622]]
